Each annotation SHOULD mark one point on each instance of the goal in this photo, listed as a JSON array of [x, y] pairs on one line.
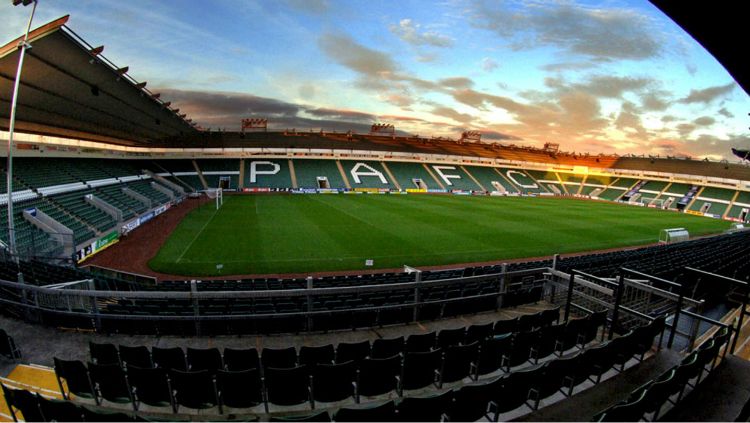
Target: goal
[[218, 195]]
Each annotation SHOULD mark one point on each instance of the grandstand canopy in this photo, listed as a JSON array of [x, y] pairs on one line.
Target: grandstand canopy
[[69, 89]]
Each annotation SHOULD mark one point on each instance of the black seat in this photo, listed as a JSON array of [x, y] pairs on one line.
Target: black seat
[[601, 358], [8, 346], [109, 382], [550, 316], [523, 342], [421, 342], [505, 326], [491, 353], [628, 411], [238, 389], [320, 416], [280, 358], [24, 401], [574, 371], [549, 340], [90, 415], [149, 386], [574, 333], [241, 359], [60, 410], [420, 369], [448, 337], [333, 382], [356, 351], [377, 376], [287, 386], [424, 409], [528, 322], [138, 356], [478, 333], [310, 356], [385, 412], [459, 362], [658, 392], [76, 378], [548, 379], [596, 320], [169, 358], [103, 353], [383, 348], [470, 402], [204, 359], [194, 390]]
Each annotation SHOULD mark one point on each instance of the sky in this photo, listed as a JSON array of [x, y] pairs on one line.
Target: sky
[[612, 77]]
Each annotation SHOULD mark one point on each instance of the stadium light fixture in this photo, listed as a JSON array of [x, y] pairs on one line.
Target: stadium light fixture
[[23, 46]]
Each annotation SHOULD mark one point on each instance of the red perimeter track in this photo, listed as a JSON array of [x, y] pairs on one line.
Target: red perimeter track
[[134, 251]]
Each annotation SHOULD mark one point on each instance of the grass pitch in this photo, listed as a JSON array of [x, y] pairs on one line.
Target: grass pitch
[[308, 233]]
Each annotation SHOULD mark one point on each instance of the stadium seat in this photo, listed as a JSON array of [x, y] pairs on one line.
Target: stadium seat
[[377, 376], [76, 378], [24, 401], [547, 342], [459, 362], [310, 356], [287, 386], [385, 412], [628, 411], [421, 342], [470, 402], [383, 348], [357, 351], [504, 326], [241, 359], [55, 410], [238, 389], [194, 390], [333, 382], [574, 334], [149, 386], [491, 353], [169, 358], [204, 359], [420, 369], [429, 408], [523, 342], [103, 353], [478, 333], [280, 358], [138, 356], [8, 346], [321, 416], [90, 415], [109, 383], [450, 337]]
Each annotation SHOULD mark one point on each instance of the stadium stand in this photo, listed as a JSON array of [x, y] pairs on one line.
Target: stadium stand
[[309, 170]]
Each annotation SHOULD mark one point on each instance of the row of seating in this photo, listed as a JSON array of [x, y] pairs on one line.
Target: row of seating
[[324, 384], [669, 387]]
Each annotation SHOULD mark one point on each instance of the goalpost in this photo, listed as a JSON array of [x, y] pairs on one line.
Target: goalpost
[[218, 195]]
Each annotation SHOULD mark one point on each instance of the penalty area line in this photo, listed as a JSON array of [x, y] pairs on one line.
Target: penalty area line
[[205, 225]]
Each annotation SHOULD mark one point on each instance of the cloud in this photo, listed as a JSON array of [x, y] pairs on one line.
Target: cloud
[[629, 119], [654, 101], [488, 64], [726, 113], [339, 114], [602, 34], [704, 121], [708, 95], [458, 82], [373, 65], [452, 114], [685, 129], [601, 85], [490, 135], [409, 32]]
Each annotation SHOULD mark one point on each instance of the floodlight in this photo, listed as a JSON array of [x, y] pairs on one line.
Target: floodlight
[[24, 2]]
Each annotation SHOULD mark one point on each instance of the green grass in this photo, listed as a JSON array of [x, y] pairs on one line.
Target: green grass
[[307, 233]]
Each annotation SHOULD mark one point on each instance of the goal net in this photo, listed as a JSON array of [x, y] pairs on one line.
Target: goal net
[[216, 194]]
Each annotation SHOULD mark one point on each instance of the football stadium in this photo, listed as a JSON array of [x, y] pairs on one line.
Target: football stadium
[[155, 269]]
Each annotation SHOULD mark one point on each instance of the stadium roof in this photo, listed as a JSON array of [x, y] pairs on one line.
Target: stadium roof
[[69, 89]]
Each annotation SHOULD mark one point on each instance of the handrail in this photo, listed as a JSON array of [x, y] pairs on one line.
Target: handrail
[[654, 278], [705, 319], [717, 276], [597, 278]]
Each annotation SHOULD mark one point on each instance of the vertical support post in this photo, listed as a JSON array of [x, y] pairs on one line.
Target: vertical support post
[[555, 258], [570, 294], [694, 328], [741, 319], [309, 299], [676, 316], [618, 301], [196, 306], [417, 296], [501, 285], [95, 307]]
